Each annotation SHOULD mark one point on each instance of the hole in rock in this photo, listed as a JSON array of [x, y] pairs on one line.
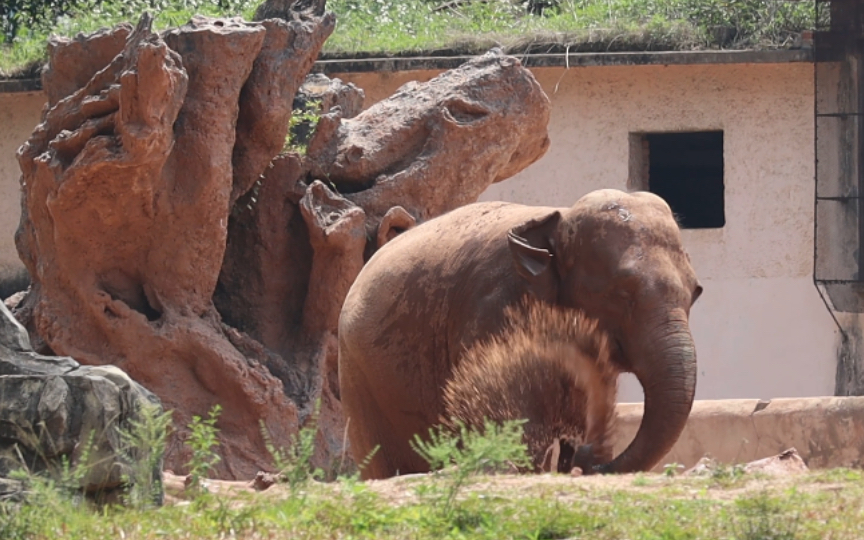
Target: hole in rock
[[465, 112], [131, 292]]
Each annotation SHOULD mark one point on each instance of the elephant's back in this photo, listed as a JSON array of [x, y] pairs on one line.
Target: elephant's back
[[396, 320], [412, 273], [449, 238]]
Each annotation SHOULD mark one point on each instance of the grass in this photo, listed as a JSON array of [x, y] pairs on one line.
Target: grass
[[459, 501], [490, 508], [410, 27]]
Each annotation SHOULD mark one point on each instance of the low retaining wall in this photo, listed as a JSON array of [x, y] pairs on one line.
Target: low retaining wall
[[826, 431]]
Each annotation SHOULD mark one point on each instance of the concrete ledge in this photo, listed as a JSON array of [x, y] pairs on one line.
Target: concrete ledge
[[12, 86], [664, 58], [573, 60], [827, 431]]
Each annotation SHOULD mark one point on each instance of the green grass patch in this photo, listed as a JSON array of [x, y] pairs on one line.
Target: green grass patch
[[565, 508], [411, 27], [461, 500]]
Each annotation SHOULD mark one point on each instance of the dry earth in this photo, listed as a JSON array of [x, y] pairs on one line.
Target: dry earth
[[774, 474]]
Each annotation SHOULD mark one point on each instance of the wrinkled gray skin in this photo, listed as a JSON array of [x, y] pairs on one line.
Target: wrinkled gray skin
[[437, 289]]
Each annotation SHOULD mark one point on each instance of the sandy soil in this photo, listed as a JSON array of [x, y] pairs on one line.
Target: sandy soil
[[776, 474]]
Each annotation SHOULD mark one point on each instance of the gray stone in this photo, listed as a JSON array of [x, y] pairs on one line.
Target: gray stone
[[52, 408]]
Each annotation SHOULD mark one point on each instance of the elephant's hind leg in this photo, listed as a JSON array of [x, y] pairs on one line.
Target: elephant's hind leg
[[378, 444]]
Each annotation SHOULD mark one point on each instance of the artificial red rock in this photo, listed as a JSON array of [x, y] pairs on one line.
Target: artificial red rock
[[126, 190], [74, 61]]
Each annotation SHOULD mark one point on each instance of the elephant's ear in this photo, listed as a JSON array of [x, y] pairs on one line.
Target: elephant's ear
[[533, 246]]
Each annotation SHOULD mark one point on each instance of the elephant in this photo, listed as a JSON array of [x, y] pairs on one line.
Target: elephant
[[550, 367], [435, 290]]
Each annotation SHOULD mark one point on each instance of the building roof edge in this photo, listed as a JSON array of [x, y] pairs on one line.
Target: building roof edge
[[565, 60]]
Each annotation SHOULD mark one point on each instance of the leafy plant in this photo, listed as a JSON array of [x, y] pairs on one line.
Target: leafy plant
[[144, 446], [551, 508], [221, 516], [468, 452], [15, 14], [301, 127], [294, 464], [671, 469], [202, 439], [726, 475], [44, 497], [17, 521]]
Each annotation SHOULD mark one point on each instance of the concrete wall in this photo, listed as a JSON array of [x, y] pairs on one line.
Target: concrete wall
[[826, 431], [761, 329], [19, 114]]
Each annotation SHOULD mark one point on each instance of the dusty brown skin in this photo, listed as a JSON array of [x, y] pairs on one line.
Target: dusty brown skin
[[550, 367], [443, 286]]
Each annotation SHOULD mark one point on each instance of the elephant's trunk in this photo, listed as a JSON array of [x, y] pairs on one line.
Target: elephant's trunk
[[664, 361]]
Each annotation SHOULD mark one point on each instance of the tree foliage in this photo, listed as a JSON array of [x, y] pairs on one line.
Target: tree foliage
[[16, 14]]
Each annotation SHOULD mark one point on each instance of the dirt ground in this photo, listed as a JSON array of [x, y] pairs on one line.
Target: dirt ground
[[776, 473]]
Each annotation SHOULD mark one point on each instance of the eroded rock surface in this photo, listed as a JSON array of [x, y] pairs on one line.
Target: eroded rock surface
[[51, 408], [127, 187], [164, 235], [74, 61]]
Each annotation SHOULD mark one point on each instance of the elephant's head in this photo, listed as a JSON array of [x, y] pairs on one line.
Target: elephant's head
[[619, 257]]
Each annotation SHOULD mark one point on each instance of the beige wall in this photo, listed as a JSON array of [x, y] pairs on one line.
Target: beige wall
[[761, 329], [19, 114]]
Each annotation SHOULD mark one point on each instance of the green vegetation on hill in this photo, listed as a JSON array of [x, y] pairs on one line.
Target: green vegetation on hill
[[411, 27]]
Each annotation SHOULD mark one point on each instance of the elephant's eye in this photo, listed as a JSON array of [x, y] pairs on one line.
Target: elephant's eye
[[624, 296]]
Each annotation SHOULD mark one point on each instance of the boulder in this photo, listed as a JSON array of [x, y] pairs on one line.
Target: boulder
[[52, 409]]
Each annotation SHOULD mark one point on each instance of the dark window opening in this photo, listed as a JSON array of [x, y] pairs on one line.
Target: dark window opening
[[685, 169]]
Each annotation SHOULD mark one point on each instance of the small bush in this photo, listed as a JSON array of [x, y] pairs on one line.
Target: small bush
[[144, 447], [672, 469], [202, 439], [495, 448], [294, 464]]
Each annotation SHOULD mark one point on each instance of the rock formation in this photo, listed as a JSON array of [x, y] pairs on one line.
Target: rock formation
[[51, 408], [166, 232]]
